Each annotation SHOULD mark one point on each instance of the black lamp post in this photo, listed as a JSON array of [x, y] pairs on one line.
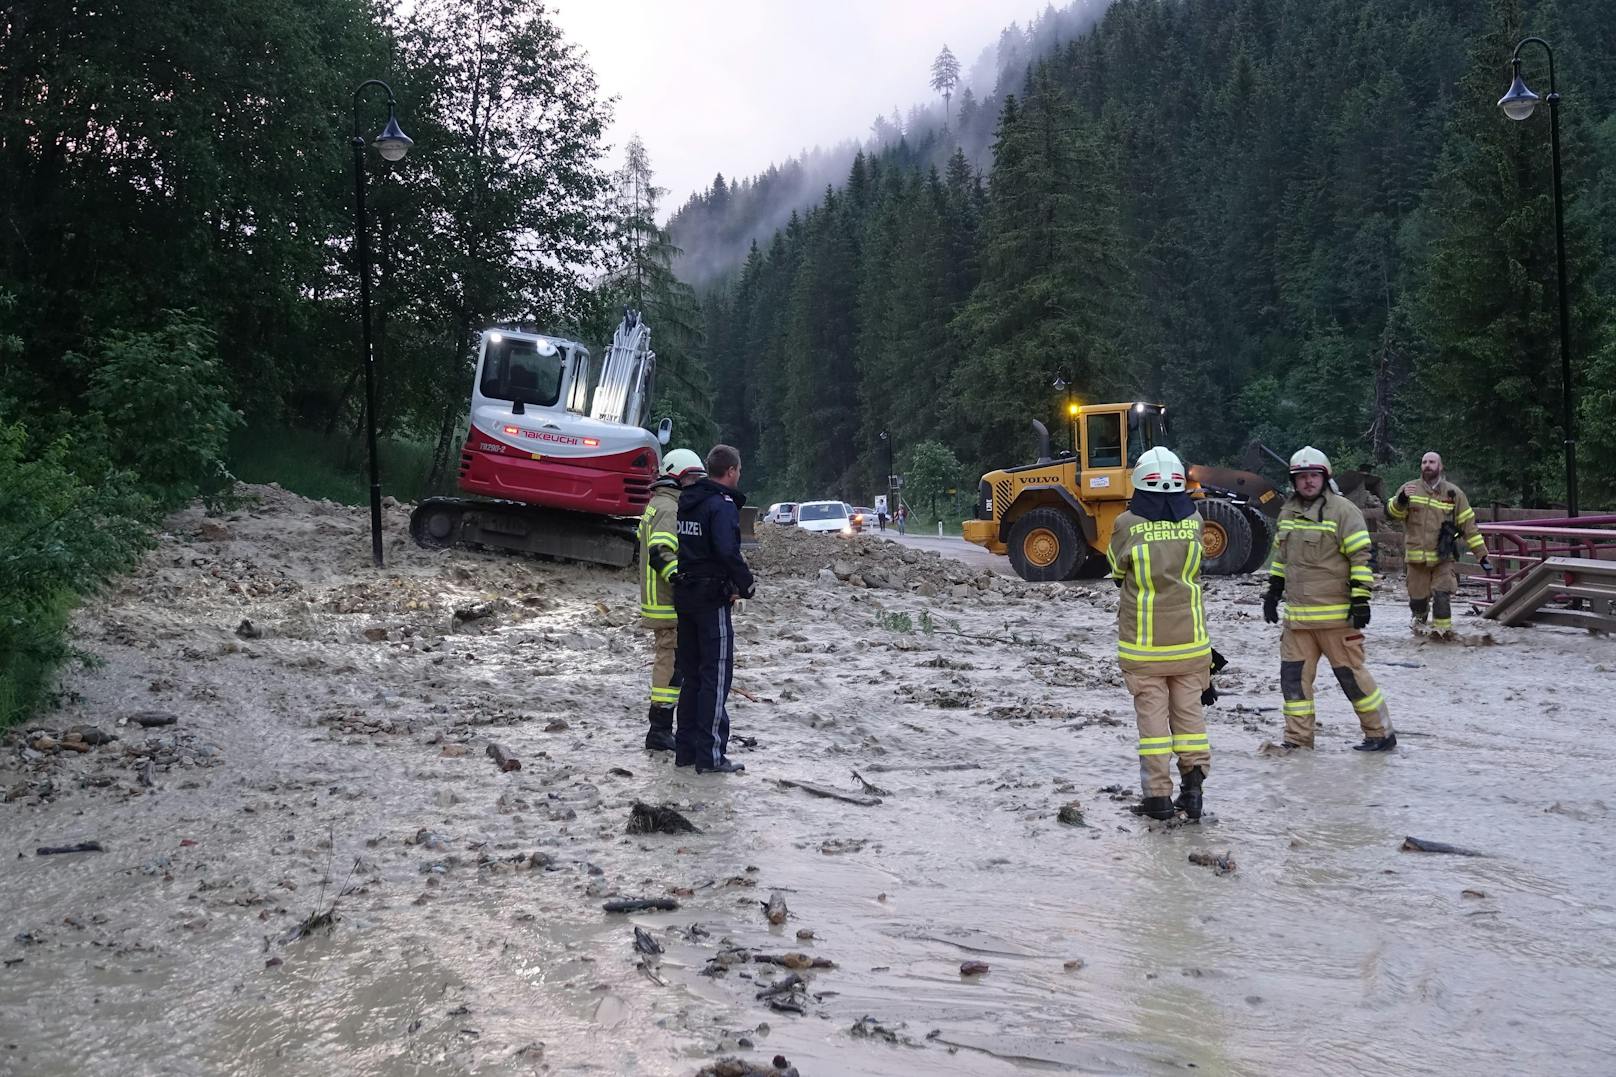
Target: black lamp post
[[1518, 104], [392, 144], [892, 490]]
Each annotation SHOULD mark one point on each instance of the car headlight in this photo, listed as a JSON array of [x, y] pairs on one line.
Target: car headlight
[[848, 529]]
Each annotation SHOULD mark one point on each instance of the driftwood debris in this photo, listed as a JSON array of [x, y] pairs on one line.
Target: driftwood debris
[[641, 905], [829, 793], [81, 847], [1423, 845]]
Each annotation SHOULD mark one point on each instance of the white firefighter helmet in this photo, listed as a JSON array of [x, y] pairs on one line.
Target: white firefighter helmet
[[681, 462], [1307, 458], [1160, 471]]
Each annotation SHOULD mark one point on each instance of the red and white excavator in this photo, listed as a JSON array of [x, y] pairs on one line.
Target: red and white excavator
[[562, 464]]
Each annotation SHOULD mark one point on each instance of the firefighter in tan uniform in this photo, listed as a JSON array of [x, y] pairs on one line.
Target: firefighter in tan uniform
[[1162, 645], [659, 560], [1435, 515], [1321, 568]]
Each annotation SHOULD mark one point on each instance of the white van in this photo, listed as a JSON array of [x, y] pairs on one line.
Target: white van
[[831, 516]]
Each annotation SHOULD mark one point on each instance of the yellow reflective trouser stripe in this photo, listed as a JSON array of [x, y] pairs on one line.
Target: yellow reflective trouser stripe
[[1164, 654], [664, 695], [1370, 702], [1358, 540], [1299, 706], [1442, 624], [1277, 569], [1191, 742], [1155, 745]]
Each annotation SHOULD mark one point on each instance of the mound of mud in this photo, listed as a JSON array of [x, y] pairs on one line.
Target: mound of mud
[[868, 561]]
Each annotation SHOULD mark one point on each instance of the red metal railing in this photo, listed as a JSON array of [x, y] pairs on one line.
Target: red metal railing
[[1518, 546]]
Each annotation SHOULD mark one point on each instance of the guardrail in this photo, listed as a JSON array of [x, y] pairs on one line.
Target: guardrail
[[1518, 546]]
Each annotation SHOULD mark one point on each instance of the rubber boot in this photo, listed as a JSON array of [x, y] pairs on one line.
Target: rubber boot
[[1155, 807], [1421, 608], [659, 737], [1377, 744], [1189, 793]]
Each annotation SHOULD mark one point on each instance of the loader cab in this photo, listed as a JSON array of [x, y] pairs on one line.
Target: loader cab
[[1113, 437]]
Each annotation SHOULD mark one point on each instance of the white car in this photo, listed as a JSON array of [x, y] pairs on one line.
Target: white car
[[830, 516], [782, 512]]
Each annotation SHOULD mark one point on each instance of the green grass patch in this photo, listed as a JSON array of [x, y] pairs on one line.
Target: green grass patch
[[334, 467]]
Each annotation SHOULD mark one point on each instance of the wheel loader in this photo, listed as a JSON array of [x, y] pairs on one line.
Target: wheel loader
[[1053, 518]]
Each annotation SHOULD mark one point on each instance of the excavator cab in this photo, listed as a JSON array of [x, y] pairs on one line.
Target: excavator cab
[[1054, 518]]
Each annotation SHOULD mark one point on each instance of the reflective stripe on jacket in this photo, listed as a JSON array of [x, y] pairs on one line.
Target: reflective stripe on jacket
[[1321, 551], [1161, 617], [659, 555], [1425, 515]]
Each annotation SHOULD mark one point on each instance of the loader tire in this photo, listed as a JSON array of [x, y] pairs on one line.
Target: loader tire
[[1046, 546], [1262, 539], [1225, 540]]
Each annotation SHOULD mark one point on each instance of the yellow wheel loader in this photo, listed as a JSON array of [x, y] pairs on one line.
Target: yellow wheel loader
[[1053, 518]]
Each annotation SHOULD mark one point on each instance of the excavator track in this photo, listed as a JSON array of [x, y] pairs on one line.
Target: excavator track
[[440, 522]]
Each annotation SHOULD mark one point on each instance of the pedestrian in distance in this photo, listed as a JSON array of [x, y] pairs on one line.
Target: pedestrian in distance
[[903, 519], [1162, 642], [659, 561], [881, 519], [712, 581], [1320, 568], [1435, 515]]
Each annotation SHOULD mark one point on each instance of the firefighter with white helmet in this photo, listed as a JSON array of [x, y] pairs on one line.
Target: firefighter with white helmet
[[659, 560], [1320, 568], [1162, 643]]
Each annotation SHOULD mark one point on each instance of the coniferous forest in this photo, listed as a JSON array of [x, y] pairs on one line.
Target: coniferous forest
[[1289, 220]]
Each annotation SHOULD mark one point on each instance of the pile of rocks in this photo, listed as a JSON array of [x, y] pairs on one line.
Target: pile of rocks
[[866, 561]]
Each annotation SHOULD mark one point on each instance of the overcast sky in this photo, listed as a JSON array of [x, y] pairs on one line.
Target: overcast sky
[[732, 85]]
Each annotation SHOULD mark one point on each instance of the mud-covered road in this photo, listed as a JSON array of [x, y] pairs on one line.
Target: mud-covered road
[[330, 756]]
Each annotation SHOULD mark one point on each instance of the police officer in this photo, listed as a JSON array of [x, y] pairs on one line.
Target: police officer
[[1320, 568], [712, 577], [1162, 643], [659, 560]]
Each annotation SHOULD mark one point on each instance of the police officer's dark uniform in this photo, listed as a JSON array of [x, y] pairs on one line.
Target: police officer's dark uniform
[[711, 573]]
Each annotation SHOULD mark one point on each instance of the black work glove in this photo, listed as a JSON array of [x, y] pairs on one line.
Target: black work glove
[[1360, 613], [1209, 697], [1218, 661], [1486, 565], [1270, 602], [1402, 499]]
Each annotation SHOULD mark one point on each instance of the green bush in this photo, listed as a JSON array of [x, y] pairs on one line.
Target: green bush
[[163, 399], [60, 537]]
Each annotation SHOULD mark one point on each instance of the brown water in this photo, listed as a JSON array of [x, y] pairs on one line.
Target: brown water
[[1328, 951]]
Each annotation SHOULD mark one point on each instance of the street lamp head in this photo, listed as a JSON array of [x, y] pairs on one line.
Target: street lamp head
[[393, 143], [1519, 102]]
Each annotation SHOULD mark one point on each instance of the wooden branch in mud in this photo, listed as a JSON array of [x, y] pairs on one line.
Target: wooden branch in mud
[[503, 758], [641, 905], [1423, 845], [885, 768], [829, 793], [81, 847]]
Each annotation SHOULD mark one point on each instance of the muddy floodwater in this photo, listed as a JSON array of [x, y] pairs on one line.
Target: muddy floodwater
[[316, 868]]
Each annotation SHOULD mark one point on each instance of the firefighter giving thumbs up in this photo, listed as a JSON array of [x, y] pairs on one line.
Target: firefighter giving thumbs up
[[1162, 644]]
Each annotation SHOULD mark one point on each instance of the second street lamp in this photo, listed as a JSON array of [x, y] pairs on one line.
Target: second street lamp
[[392, 144], [1519, 104]]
